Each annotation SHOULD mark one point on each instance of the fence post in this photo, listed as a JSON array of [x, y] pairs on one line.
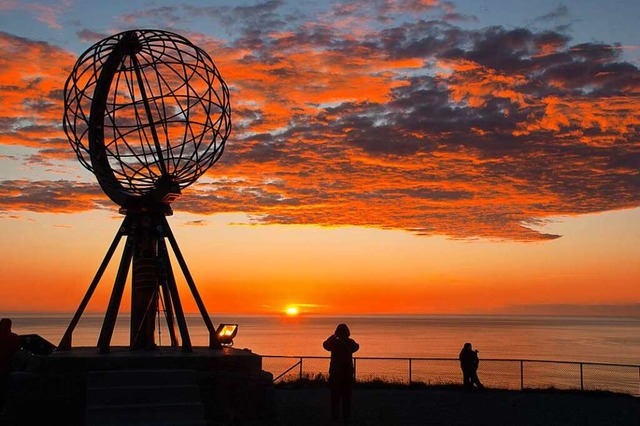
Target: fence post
[[581, 378], [355, 363], [521, 375], [300, 368], [639, 381], [410, 371]]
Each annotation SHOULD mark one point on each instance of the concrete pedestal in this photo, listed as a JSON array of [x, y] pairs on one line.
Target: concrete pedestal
[[81, 387]]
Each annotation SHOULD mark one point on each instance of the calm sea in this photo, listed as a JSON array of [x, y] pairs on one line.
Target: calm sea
[[588, 339]]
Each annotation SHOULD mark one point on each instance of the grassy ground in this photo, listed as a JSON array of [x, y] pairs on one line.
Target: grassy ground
[[309, 405]]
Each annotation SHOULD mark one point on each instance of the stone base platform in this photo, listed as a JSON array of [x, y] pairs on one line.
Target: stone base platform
[[61, 388], [202, 358]]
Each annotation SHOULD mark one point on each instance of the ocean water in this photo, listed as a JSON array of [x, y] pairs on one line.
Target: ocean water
[[582, 339]]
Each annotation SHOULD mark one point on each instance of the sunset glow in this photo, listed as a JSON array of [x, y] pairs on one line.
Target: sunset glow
[[385, 157]]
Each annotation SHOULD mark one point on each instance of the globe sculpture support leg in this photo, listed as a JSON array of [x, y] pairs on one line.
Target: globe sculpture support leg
[[153, 281], [174, 296], [167, 306], [213, 339], [104, 341], [65, 343], [144, 285]]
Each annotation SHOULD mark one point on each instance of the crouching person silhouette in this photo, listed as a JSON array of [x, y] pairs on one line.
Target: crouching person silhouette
[[469, 364], [341, 377]]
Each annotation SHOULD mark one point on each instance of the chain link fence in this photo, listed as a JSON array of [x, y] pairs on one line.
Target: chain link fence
[[511, 374]]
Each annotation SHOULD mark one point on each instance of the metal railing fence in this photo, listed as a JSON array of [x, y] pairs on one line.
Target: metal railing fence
[[511, 374]]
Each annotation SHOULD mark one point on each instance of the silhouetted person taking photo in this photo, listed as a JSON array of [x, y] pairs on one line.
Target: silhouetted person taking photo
[[341, 377], [9, 345], [469, 364]]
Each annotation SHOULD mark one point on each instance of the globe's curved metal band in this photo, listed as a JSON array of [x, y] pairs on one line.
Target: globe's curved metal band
[[97, 150]]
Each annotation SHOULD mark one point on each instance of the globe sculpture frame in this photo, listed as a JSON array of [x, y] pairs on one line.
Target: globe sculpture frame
[[147, 112]]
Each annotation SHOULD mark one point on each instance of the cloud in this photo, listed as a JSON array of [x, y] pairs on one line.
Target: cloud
[[48, 14], [413, 124], [164, 16], [587, 310], [32, 75], [197, 223], [87, 36], [59, 196], [560, 12], [258, 17]]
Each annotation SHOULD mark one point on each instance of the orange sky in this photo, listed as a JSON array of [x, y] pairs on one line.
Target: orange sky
[[263, 269], [379, 165]]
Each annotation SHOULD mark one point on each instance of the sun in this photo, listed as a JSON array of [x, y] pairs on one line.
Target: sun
[[292, 311]]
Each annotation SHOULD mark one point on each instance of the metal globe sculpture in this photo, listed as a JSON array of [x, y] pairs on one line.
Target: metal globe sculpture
[[148, 113]]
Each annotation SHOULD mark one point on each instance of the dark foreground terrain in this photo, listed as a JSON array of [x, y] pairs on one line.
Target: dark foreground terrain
[[308, 404], [456, 407]]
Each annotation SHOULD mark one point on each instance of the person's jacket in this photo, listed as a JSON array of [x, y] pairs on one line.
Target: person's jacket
[[469, 360], [341, 355], [9, 345]]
